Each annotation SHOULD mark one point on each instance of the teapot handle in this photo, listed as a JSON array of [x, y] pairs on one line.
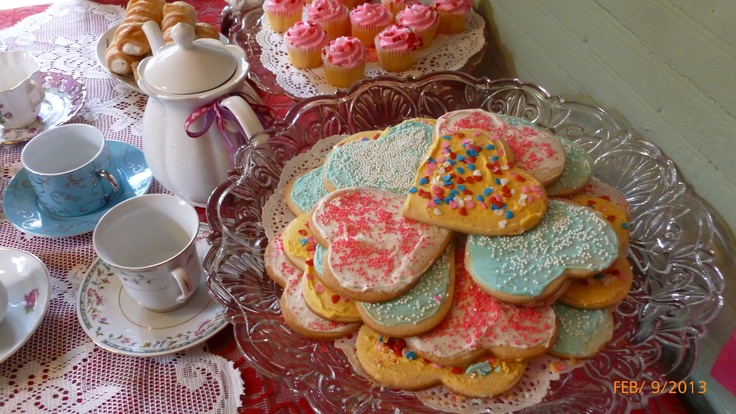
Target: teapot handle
[[244, 114]]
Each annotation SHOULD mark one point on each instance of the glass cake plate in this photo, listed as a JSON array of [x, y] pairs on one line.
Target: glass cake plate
[[678, 246]]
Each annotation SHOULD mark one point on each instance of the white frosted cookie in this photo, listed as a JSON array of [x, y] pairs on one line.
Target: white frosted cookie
[[374, 254], [278, 267], [534, 150], [572, 241], [479, 325]]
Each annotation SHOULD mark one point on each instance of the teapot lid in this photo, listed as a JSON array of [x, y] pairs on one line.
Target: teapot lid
[[186, 66]]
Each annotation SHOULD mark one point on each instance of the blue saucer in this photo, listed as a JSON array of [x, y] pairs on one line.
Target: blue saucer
[[22, 210]]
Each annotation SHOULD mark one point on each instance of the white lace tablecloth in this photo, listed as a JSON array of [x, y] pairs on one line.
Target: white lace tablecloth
[[60, 369]]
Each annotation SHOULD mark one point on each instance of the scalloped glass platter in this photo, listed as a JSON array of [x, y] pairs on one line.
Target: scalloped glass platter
[[677, 245], [249, 25]]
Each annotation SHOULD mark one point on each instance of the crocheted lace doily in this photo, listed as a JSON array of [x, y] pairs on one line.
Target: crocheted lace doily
[[447, 52]]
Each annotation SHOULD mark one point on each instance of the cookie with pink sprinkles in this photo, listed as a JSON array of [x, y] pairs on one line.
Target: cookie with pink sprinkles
[[373, 253]]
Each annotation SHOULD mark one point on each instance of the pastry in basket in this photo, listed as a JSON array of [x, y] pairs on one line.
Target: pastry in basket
[[181, 12], [388, 163], [129, 35], [467, 183], [453, 14], [583, 332], [396, 48], [535, 151], [373, 253], [577, 172], [421, 308], [299, 243], [615, 216], [598, 188], [479, 325], [390, 363], [302, 192], [423, 19], [604, 290], [571, 241], [278, 267], [324, 302], [302, 320], [344, 61]]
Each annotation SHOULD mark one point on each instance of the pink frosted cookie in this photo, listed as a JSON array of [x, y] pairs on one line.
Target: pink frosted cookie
[[534, 151], [302, 320], [478, 325], [374, 254], [597, 188], [278, 266]]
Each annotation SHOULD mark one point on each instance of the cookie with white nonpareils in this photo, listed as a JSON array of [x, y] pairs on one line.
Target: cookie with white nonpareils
[[478, 325], [388, 162], [583, 332], [467, 183], [374, 254], [421, 308], [302, 320], [535, 151], [571, 241], [302, 192], [610, 212], [392, 364]]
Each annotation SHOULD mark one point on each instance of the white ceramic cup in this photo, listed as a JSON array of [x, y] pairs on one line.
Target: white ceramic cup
[[71, 169], [20, 96], [150, 243]]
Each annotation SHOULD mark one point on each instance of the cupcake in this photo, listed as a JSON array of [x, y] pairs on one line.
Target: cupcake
[[367, 20], [304, 42], [282, 14], [396, 48], [395, 6], [351, 4], [452, 15], [332, 15], [344, 61], [421, 18]]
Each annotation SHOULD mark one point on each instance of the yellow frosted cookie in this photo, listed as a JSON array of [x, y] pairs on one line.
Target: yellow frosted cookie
[[604, 290], [325, 302], [467, 183], [299, 243], [390, 363]]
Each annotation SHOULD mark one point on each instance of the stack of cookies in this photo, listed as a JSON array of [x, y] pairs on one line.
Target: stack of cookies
[[458, 248]]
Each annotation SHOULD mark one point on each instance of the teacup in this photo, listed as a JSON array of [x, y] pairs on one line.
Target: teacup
[[150, 243], [71, 169], [20, 96]]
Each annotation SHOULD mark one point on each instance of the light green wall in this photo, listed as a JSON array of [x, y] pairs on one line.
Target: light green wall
[[667, 67]]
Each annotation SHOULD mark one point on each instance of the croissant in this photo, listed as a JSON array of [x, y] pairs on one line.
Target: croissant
[[119, 62], [206, 31], [129, 36], [177, 12]]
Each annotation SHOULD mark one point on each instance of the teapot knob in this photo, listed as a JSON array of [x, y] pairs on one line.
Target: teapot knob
[[183, 35]]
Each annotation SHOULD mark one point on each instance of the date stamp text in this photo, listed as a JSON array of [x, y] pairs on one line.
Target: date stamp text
[[660, 387]]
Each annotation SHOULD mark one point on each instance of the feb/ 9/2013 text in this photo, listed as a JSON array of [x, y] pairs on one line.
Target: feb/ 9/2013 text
[[660, 387]]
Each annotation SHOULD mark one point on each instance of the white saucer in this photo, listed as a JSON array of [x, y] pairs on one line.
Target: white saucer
[[22, 210], [118, 324], [27, 281], [64, 97]]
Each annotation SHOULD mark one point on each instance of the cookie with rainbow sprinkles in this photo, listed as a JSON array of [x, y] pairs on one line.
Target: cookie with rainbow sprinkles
[[467, 183], [603, 290]]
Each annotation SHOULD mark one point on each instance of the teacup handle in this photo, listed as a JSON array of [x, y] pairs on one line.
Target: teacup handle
[[182, 279], [111, 179], [41, 92]]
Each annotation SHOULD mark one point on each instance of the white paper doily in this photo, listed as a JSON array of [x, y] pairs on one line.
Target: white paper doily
[[447, 52]]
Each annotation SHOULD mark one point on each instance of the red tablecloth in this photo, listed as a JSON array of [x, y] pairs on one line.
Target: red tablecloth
[[263, 395]]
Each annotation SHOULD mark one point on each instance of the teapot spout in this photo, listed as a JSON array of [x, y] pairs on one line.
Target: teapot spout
[[154, 36]]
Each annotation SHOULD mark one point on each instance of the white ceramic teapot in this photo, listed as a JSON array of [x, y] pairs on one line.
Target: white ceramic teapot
[[188, 83]]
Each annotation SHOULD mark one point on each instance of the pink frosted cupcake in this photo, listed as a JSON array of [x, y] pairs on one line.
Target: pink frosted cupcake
[[423, 19], [351, 4], [396, 48], [332, 15], [282, 14], [367, 20], [344, 61], [395, 6], [452, 15], [304, 42]]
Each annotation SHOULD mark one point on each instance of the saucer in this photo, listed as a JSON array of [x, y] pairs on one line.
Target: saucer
[[27, 281], [64, 97], [22, 210], [118, 324]]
